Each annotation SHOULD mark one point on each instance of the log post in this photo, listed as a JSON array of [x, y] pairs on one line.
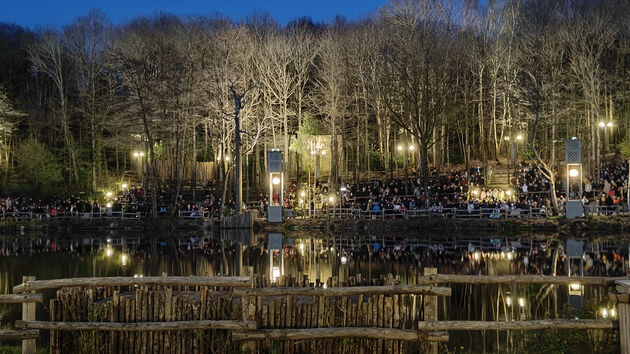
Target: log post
[[28, 314], [622, 298], [248, 304], [430, 313]]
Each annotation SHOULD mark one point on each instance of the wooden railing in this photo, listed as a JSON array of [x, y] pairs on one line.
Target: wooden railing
[[372, 316]]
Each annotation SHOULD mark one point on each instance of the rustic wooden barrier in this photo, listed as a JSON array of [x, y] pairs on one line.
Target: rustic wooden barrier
[[28, 301], [132, 281], [202, 314], [244, 220], [516, 325], [515, 279]]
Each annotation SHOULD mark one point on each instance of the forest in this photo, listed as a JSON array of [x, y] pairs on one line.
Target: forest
[[434, 82]]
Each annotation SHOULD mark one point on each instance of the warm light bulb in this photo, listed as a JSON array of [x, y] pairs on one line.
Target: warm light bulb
[[344, 259], [400, 147], [109, 205], [573, 172], [521, 302], [275, 274], [519, 137], [141, 154], [227, 158], [612, 313], [508, 192], [124, 186], [509, 301], [108, 252], [323, 152], [507, 138], [135, 154], [123, 259], [609, 124], [575, 286], [302, 193], [331, 199], [604, 312], [602, 124], [275, 181]]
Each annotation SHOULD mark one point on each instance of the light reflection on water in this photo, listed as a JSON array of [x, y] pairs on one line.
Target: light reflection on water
[[321, 256]]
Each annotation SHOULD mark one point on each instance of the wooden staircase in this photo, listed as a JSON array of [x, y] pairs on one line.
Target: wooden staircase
[[500, 178]]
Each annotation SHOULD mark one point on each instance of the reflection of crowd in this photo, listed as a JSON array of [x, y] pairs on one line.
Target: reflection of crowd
[[537, 260], [499, 258]]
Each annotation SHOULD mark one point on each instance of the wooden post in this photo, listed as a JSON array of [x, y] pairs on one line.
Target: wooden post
[[248, 304], [430, 313], [623, 306], [29, 346]]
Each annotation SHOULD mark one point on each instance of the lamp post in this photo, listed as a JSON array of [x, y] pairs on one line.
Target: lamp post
[[404, 149], [573, 158], [316, 150], [140, 156]]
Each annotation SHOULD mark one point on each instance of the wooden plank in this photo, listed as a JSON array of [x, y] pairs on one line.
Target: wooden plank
[[347, 291], [10, 334], [137, 326], [222, 281], [20, 298], [516, 325], [516, 279], [326, 333]]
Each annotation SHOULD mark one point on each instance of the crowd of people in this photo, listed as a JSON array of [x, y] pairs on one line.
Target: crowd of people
[[455, 189]]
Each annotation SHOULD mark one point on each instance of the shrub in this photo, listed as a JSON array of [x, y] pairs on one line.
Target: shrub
[[37, 164]]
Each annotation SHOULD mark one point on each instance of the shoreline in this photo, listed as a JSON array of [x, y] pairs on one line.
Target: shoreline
[[616, 224]]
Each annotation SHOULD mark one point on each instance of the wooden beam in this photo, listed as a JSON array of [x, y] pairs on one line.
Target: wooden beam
[[346, 291], [516, 279], [131, 281], [137, 326], [20, 298], [29, 346], [334, 333], [19, 334], [516, 325]]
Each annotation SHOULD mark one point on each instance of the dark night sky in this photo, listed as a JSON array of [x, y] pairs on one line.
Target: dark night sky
[[36, 13]]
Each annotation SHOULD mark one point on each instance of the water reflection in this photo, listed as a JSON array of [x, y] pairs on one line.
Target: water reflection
[[316, 257]]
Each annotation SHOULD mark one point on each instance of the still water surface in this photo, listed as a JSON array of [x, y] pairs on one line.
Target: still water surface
[[323, 255]]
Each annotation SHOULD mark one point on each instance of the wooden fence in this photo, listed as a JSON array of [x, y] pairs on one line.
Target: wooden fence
[[231, 314]]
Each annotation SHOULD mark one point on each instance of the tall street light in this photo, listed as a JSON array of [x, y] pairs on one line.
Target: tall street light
[[140, 156]]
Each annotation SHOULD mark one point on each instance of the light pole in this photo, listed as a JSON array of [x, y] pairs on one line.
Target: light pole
[[602, 149], [404, 149], [140, 156]]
